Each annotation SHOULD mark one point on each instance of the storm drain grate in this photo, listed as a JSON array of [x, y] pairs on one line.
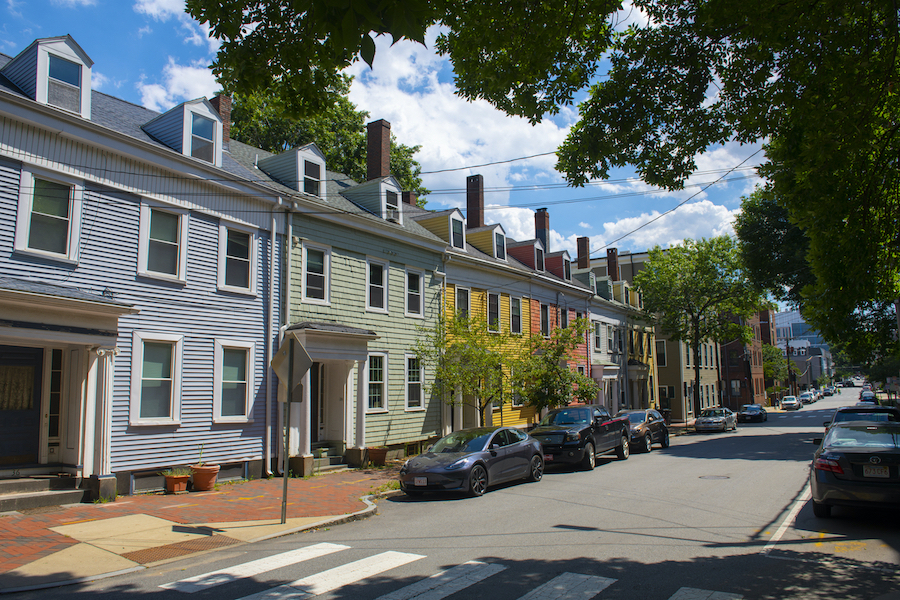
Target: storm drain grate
[[715, 477], [150, 555]]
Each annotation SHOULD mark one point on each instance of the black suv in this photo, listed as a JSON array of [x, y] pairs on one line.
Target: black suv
[[577, 434]]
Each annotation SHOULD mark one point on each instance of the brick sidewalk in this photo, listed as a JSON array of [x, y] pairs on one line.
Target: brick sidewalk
[[26, 537]]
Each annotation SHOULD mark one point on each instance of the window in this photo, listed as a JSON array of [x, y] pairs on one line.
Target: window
[[203, 138], [515, 315], [377, 375], [494, 312], [598, 337], [233, 384], [162, 246], [64, 84], [564, 318], [462, 303], [237, 259], [704, 356], [620, 341], [500, 243], [609, 338], [414, 390], [457, 238], [376, 285], [545, 320], [392, 206], [567, 270], [735, 387], [580, 369], [49, 216], [660, 353], [640, 337], [316, 274], [538, 259], [414, 304], [312, 176], [155, 379]]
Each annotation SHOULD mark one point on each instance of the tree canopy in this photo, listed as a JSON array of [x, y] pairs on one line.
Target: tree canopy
[[693, 291]]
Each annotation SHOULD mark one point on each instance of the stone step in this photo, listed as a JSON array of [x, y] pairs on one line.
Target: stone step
[[36, 483], [26, 500]]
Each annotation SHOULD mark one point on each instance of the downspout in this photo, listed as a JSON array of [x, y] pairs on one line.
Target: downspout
[[269, 347], [286, 294]]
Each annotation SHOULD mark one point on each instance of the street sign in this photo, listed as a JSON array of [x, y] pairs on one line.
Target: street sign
[[281, 362]]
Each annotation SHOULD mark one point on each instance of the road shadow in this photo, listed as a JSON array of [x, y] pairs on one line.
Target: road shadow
[[794, 447]]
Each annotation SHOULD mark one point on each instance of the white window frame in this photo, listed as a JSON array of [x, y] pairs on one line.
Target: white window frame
[[253, 232], [137, 361], [397, 207], [187, 142], [147, 209], [468, 301], [319, 182], [406, 383], [610, 340], [511, 328], [421, 276], [598, 336], [386, 274], [542, 264], [327, 268], [42, 89], [385, 398], [250, 348], [462, 226], [664, 354], [545, 321], [497, 246], [567, 269], [498, 326], [23, 216]]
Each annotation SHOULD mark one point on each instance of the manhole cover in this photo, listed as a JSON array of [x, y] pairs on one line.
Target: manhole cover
[[715, 477]]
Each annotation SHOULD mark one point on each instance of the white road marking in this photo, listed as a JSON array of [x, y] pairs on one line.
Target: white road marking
[[695, 594], [440, 585], [570, 586], [255, 567], [329, 580], [792, 514]]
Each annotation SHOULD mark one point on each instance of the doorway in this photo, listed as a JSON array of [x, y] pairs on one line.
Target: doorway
[[20, 404]]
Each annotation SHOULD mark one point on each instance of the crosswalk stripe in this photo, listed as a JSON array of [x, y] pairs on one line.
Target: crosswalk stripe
[[255, 567], [695, 594], [332, 579], [570, 586], [440, 585]]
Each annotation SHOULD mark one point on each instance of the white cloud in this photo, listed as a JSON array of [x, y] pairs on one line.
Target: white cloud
[[98, 80], [180, 83], [584, 225], [74, 3], [145, 30], [164, 10], [12, 6], [161, 10]]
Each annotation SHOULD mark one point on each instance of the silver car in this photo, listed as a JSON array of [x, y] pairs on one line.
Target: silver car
[[716, 419], [790, 403]]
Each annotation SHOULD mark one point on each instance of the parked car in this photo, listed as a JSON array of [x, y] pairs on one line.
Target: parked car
[[856, 465], [807, 398], [791, 403], [863, 413], [648, 427], [716, 419], [752, 412], [829, 391], [578, 434], [470, 460], [868, 396]]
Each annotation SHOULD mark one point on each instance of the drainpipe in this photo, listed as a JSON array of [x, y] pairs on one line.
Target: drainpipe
[[269, 348]]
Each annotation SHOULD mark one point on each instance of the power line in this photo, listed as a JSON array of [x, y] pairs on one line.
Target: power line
[[499, 162]]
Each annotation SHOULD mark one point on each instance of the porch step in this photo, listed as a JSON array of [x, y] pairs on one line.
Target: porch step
[[35, 492], [329, 463]]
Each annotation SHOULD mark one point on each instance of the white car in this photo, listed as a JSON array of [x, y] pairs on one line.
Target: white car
[[716, 419], [807, 398], [791, 403]]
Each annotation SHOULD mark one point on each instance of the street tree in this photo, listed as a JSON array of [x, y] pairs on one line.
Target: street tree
[[470, 363], [542, 375], [260, 119], [692, 291]]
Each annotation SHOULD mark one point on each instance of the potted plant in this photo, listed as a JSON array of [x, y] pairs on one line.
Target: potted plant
[[176, 479], [378, 455], [204, 476]]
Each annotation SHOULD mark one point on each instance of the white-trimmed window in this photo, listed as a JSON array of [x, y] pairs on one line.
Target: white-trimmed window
[[155, 379], [312, 177], [609, 339], [515, 315], [538, 259], [376, 375], [500, 245], [392, 206], [660, 353], [64, 83], [415, 281], [545, 320], [457, 234], [162, 246], [598, 337], [316, 274], [203, 138], [48, 222], [493, 312], [415, 392], [377, 273], [233, 385], [237, 258], [567, 269], [462, 303], [564, 318]]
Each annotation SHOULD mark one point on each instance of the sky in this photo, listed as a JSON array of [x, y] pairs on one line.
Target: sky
[[151, 53]]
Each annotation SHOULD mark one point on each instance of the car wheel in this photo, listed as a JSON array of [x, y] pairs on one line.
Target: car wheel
[[665, 439], [477, 481], [537, 468], [622, 450], [822, 511], [648, 443], [589, 460]]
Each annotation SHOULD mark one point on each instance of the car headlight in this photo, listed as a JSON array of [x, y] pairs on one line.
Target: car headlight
[[458, 464], [572, 436], [404, 468]]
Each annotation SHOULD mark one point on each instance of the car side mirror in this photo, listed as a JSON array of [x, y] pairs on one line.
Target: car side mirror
[[826, 424], [428, 449], [494, 447]]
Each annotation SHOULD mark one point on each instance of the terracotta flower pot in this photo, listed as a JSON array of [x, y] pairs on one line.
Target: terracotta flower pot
[[204, 477], [176, 483], [378, 456]]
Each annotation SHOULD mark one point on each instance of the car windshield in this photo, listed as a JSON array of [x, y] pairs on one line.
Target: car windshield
[[789, 399], [636, 418], [864, 416], [472, 440], [569, 416], [713, 412], [863, 436], [749, 408]]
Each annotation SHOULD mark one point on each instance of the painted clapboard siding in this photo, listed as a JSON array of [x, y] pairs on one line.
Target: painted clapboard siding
[[398, 333], [168, 128], [23, 72]]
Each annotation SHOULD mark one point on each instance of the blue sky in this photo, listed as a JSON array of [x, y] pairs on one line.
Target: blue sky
[[151, 53]]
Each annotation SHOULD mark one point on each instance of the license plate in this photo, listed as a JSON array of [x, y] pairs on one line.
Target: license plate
[[548, 457], [420, 481], [873, 471]]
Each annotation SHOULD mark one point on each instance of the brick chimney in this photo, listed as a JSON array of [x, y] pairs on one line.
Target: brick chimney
[[584, 252], [410, 198], [542, 228], [612, 264], [378, 150], [474, 201], [222, 104]]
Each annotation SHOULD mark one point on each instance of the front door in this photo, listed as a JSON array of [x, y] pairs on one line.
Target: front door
[[317, 422], [20, 404]]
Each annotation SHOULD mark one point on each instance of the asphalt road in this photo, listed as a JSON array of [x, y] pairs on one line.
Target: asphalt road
[[715, 516]]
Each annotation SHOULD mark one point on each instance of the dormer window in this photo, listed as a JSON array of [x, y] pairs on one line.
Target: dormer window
[[500, 245], [203, 138], [457, 238], [392, 206], [312, 176], [64, 84], [567, 269], [192, 128], [538, 259]]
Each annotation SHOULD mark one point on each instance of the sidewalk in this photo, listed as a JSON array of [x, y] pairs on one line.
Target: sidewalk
[[79, 542]]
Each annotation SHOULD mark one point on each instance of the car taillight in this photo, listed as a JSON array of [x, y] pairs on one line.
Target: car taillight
[[829, 464]]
